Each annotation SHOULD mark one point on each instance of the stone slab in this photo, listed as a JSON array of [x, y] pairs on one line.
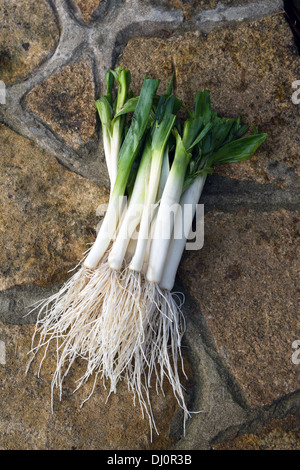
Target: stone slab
[[215, 403], [87, 8], [29, 34], [221, 8], [65, 102], [246, 280], [47, 214], [27, 423], [280, 434], [248, 71]]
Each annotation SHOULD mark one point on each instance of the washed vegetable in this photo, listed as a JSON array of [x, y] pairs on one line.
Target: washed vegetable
[[117, 313]]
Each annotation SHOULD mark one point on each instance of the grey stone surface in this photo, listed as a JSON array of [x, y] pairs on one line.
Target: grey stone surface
[[279, 434], [243, 11], [17, 303]]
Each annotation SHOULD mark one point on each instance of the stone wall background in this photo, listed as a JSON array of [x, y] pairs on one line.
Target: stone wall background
[[242, 288]]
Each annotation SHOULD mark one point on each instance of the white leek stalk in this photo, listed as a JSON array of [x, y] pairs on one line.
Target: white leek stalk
[[128, 153], [159, 141], [123, 78], [133, 213], [182, 226], [165, 221]]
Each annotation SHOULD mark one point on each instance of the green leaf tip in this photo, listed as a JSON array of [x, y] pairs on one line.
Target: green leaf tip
[[238, 150]]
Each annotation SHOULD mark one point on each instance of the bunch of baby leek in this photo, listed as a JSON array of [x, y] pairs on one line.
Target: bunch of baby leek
[[117, 312]]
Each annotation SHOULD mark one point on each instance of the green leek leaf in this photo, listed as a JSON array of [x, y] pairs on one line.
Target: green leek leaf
[[237, 150], [134, 137]]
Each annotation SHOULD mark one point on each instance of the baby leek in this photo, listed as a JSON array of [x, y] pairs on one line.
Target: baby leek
[[128, 153], [117, 312]]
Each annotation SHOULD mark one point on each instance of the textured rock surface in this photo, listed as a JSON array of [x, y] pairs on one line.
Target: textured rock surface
[[248, 71], [87, 7], [281, 434], [47, 214], [246, 281], [65, 102], [16, 301], [28, 35], [209, 387], [26, 421], [190, 7]]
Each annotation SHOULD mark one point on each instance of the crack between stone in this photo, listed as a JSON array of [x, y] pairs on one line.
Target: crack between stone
[[260, 417]]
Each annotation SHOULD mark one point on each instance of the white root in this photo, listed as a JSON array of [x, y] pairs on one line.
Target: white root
[[124, 327], [165, 329], [137, 336], [66, 319]]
